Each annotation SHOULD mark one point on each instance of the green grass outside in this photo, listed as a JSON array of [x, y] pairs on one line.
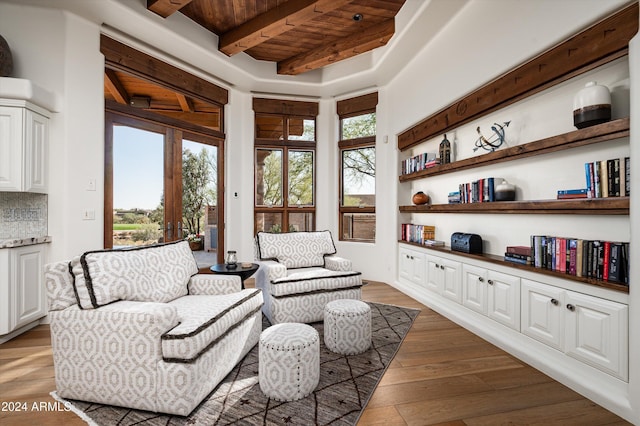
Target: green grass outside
[[126, 226]]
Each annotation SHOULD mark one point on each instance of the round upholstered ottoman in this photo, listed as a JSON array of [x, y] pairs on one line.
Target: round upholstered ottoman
[[289, 361], [347, 326]]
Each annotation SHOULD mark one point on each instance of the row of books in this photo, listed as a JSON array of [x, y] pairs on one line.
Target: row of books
[[609, 178], [420, 234], [419, 162], [602, 260], [478, 191]]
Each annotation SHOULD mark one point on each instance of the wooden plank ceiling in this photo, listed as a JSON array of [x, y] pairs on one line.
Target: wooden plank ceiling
[[126, 89], [299, 35]]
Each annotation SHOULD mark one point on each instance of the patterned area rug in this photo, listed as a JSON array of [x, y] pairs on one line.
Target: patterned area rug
[[346, 384]]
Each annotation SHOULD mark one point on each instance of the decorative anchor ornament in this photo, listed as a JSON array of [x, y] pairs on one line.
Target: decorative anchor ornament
[[494, 141]]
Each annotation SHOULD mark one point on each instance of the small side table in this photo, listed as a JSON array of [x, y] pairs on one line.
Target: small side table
[[239, 270]]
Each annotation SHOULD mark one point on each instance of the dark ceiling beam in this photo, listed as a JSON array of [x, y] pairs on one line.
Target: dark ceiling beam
[[352, 45], [274, 22], [166, 8], [115, 87]]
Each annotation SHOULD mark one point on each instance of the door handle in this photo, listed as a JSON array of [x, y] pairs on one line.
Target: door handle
[[179, 230], [169, 234]]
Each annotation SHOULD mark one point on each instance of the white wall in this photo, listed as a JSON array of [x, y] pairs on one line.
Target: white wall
[[60, 51]]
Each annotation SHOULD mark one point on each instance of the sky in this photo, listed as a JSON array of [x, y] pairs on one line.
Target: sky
[[138, 167]]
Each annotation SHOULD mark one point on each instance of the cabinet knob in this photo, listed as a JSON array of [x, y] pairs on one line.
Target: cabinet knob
[[437, 266], [441, 266], [490, 282], [481, 279], [571, 307], [554, 302]]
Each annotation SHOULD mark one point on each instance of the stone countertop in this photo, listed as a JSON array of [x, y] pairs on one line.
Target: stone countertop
[[19, 242]]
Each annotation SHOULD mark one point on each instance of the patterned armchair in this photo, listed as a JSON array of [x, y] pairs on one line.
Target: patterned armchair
[[299, 273], [140, 328]]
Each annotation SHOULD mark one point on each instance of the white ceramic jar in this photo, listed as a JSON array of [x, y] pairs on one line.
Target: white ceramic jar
[[591, 105]]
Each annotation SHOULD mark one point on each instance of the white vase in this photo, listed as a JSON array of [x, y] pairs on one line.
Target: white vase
[[505, 191], [591, 105]]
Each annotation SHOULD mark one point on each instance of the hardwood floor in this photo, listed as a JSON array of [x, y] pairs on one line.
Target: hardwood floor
[[442, 375]]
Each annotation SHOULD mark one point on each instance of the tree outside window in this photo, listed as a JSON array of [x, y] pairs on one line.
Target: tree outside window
[[284, 166], [357, 168]]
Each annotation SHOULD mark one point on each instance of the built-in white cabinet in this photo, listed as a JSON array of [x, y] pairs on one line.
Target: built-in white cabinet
[[492, 293], [590, 329], [411, 265], [22, 291], [443, 277], [24, 140]]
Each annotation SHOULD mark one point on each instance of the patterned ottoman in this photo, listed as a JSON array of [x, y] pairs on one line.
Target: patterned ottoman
[[347, 326], [289, 361]]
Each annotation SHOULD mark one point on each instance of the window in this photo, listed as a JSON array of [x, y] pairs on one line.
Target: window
[[358, 168], [285, 141], [163, 159]]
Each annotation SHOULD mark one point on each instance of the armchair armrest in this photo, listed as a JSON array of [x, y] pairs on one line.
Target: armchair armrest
[[337, 263], [121, 340], [212, 284], [270, 270], [148, 319]]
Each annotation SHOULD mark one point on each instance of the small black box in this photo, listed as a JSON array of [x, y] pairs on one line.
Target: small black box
[[466, 243]]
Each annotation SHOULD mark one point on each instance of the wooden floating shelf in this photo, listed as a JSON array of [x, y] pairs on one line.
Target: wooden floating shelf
[[595, 134], [589, 206], [499, 260]]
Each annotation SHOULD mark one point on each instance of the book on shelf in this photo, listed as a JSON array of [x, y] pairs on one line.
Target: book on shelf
[[435, 243], [597, 259], [607, 178], [417, 233], [454, 197], [522, 250], [419, 162], [517, 258], [569, 194], [478, 191]]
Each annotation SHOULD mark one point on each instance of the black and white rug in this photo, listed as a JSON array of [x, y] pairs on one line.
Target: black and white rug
[[346, 384]]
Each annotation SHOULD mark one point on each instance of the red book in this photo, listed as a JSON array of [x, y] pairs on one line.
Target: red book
[[606, 257], [524, 250]]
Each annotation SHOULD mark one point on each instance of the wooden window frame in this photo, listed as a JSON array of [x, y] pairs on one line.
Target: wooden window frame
[[348, 108], [121, 57], [285, 110]]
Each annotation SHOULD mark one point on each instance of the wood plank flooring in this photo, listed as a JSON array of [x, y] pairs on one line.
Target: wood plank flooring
[[442, 375]]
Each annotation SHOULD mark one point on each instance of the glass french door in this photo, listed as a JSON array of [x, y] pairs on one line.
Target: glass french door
[[161, 185]]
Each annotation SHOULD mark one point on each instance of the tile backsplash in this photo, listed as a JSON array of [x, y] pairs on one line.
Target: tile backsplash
[[22, 215]]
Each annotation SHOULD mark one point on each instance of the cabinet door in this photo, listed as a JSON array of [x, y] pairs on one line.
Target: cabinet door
[[434, 278], [36, 152], [405, 265], [26, 272], [474, 288], [419, 268], [451, 282], [543, 313], [11, 149], [597, 333], [411, 266], [503, 299]]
